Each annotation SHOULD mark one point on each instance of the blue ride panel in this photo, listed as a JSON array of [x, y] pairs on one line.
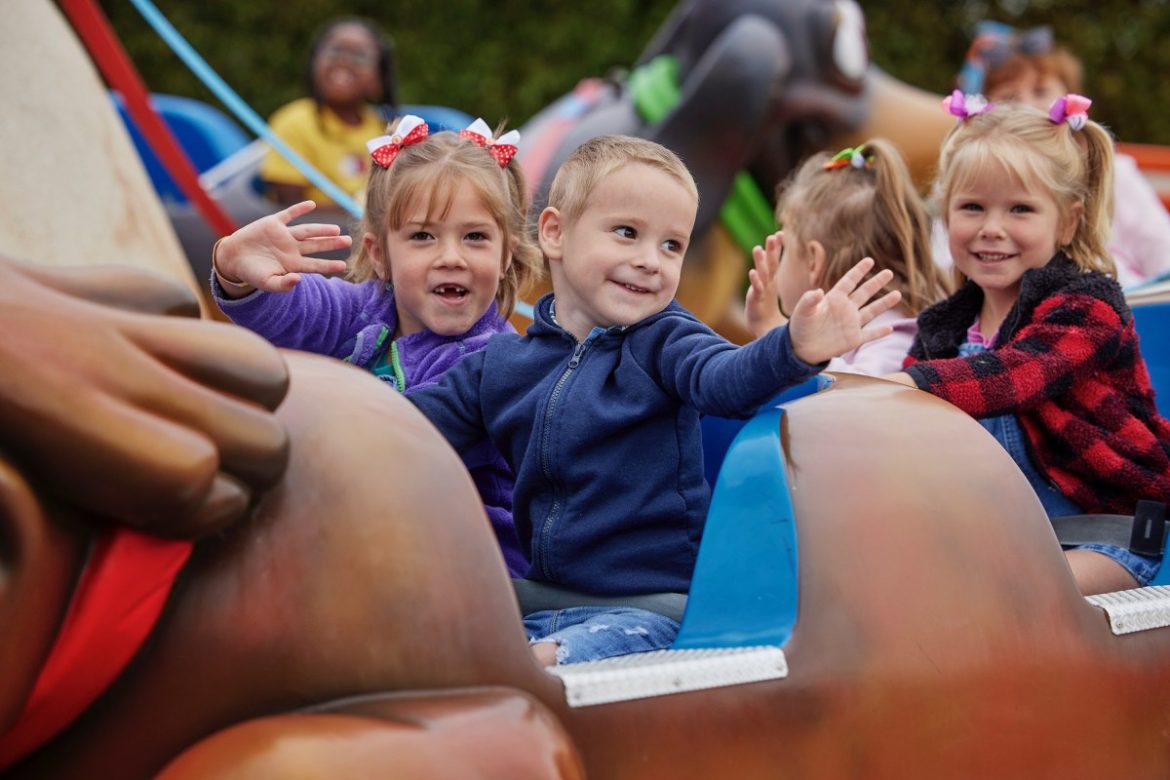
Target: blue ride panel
[[441, 117], [718, 432], [744, 590], [1153, 326], [206, 134]]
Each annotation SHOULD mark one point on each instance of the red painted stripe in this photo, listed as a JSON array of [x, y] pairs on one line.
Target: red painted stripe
[[111, 59]]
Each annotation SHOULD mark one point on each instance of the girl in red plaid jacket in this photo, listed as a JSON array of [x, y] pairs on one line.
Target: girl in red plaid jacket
[[1038, 342]]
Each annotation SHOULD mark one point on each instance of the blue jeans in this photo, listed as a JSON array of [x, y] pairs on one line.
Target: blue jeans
[[1007, 431], [591, 633]]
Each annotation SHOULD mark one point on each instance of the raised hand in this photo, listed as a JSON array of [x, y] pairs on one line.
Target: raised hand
[[762, 303], [827, 324], [162, 423], [270, 254]]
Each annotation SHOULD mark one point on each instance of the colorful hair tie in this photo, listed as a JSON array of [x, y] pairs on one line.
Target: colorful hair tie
[[503, 149], [411, 129], [966, 106], [1073, 109], [849, 156]]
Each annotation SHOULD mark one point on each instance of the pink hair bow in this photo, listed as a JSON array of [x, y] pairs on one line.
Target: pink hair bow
[[503, 148], [1071, 108], [966, 106], [410, 130]]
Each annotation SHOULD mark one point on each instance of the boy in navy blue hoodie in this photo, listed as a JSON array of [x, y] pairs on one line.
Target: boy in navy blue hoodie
[[597, 407]]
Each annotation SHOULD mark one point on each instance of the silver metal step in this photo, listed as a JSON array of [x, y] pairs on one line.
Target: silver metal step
[[1140, 609], [642, 675]]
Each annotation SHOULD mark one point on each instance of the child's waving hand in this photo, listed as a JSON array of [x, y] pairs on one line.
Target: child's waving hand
[[762, 302], [269, 254], [827, 324]]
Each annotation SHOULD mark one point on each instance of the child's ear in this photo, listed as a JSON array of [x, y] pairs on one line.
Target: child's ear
[[373, 249], [1069, 231], [551, 233], [817, 257]]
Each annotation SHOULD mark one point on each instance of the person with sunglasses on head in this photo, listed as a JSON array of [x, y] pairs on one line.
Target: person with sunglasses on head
[[1007, 65], [351, 96]]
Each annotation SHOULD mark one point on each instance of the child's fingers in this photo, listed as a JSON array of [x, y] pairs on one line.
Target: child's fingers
[[279, 282], [807, 303], [851, 278], [875, 333], [759, 260], [871, 286], [312, 246], [314, 230], [882, 304], [773, 246], [295, 210]]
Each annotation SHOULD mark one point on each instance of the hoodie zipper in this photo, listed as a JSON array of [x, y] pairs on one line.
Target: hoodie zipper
[[396, 366], [555, 510]]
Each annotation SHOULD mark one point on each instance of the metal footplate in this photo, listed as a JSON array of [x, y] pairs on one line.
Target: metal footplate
[[1139, 609], [660, 672]]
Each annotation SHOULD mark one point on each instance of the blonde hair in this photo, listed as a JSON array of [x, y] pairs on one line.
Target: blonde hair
[[874, 211], [598, 157], [1021, 142], [433, 169]]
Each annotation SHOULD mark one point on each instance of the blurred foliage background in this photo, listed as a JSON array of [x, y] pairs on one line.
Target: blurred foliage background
[[506, 59]]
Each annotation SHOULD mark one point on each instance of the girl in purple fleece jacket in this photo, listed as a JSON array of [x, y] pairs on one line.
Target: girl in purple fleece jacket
[[443, 254]]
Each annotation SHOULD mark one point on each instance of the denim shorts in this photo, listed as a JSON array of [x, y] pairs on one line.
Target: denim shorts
[[1007, 431], [591, 633]]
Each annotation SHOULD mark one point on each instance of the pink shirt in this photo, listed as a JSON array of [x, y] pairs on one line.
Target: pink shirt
[[884, 355]]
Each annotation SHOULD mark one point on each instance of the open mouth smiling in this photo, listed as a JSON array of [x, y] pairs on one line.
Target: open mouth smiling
[[991, 257], [451, 292]]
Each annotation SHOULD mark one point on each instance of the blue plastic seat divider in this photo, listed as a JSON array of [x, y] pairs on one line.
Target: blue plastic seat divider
[[1153, 326], [744, 591]]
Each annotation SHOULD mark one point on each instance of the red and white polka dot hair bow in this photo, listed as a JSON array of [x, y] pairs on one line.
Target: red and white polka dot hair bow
[[410, 130], [503, 148]]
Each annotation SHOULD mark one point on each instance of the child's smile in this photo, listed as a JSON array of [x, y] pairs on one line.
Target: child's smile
[[999, 230], [619, 262], [445, 266]]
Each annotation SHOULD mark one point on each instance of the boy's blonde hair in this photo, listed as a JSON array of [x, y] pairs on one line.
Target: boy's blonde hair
[[433, 169], [872, 211], [1022, 143], [598, 157]]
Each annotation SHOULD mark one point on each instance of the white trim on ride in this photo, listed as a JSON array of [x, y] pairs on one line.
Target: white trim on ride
[[642, 675]]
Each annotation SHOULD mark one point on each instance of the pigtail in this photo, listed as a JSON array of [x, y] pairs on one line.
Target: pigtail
[[901, 230], [527, 264], [1089, 245]]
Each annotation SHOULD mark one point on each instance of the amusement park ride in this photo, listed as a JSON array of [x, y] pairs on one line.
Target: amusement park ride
[[302, 592]]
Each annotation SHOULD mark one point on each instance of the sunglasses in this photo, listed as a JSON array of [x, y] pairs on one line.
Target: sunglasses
[[361, 58], [994, 43], [995, 46]]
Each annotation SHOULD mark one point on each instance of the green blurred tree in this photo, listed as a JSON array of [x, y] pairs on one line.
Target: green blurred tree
[[507, 59]]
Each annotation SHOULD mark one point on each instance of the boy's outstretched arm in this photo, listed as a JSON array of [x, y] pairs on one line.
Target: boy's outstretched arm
[[269, 254], [827, 324]]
